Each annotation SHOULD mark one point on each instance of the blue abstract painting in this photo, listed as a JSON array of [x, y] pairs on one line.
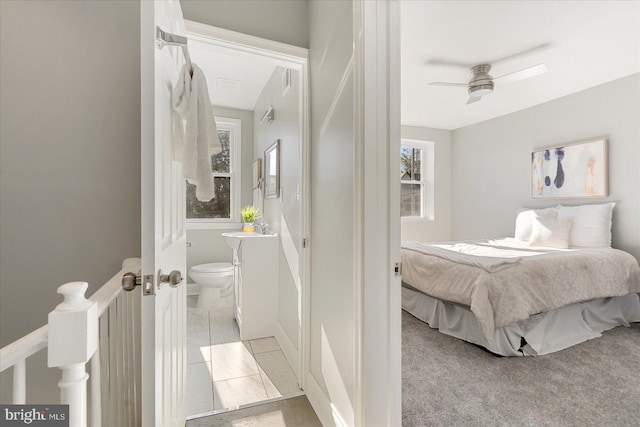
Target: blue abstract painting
[[572, 170]]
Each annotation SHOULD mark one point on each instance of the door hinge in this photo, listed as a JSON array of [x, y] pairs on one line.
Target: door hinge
[[398, 269], [305, 243]]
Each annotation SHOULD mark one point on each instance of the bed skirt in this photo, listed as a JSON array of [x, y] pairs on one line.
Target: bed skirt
[[540, 334]]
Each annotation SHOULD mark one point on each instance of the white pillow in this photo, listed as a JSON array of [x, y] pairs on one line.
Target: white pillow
[[591, 225], [525, 218], [550, 232]]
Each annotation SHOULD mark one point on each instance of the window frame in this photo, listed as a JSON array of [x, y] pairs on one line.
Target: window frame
[[426, 182], [234, 126]]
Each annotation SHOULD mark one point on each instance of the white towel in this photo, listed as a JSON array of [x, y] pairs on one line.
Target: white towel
[[191, 100], [177, 136]]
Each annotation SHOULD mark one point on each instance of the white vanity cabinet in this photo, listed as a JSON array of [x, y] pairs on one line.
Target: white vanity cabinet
[[255, 260]]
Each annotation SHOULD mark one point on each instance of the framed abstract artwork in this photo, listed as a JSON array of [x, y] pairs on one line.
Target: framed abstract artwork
[[570, 171]]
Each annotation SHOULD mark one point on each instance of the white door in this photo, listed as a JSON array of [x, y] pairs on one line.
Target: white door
[[163, 317]]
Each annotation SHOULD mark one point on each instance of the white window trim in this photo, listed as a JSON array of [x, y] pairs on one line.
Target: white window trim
[[427, 164], [234, 126]]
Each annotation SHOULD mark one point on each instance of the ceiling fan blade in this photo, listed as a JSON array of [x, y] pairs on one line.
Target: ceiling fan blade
[[448, 84], [473, 99], [536, 70], [447, 63], [523, 52], [454, 63]]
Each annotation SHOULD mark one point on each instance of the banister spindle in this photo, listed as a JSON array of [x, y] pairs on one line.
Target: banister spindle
[[96, 391], [19, 383], [73, 339]]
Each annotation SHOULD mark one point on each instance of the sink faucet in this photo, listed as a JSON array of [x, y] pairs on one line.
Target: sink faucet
[[263, 227]]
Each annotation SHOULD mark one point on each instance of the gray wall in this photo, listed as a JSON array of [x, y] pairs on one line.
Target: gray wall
[[207, 245], [283, 213], [69, 153], [491, 160], [332, 181], [70, 142], [284, 21], [285, 128], [440, 228]]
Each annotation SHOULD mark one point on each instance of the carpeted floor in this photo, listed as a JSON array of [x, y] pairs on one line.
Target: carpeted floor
[[448, 382]]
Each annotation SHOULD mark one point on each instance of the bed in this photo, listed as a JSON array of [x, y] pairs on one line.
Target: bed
[[519, 297]]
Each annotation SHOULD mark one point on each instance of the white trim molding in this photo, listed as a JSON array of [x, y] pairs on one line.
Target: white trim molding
[[377, 211], [210, 225], [290, 56], [325, 410]]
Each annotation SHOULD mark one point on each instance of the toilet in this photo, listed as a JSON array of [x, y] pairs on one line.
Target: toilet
[[213, 278]]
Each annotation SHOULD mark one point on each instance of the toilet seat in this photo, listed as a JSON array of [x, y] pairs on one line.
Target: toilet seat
[[214, 267]]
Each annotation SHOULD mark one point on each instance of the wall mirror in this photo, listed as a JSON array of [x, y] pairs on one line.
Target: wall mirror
[[272, 171]]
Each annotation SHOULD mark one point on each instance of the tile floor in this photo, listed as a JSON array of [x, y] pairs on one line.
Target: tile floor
[[226, 373]]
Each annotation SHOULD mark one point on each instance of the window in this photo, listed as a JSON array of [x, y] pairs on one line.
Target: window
[[225, 206], [416, 179]]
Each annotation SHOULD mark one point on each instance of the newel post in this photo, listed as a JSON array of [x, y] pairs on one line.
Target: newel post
[[73, 338]]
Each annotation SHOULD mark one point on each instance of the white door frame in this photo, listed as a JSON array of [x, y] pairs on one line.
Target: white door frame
[[377, 212], [296, 58]]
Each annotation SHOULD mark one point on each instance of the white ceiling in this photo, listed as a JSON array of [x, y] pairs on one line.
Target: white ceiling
[[235, 79], [589, 43]]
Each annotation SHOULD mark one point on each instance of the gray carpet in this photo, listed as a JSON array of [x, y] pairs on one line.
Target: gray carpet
[[448, 382]]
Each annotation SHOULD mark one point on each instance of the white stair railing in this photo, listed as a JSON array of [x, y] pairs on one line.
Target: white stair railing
[[16, 354], [73, 339], [103, 329], [116, 366]]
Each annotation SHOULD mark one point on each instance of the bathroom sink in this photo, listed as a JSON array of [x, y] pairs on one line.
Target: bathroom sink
[[234, 238]]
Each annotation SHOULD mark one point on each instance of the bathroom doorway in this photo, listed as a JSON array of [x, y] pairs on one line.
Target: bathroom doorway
[[259, 93]]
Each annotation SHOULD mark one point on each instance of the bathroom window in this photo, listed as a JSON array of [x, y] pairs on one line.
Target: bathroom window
[[416, 179], [225, 206]]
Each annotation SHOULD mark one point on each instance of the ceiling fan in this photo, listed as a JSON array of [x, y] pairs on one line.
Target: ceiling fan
[[482, 83]]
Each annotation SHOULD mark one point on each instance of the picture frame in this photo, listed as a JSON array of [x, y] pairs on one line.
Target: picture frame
[[576, 170], [272, 171], [257, 172]]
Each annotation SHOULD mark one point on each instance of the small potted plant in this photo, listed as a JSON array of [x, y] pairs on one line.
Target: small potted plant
[[249, 214]]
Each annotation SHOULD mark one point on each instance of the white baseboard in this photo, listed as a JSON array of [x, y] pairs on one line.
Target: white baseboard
[[319, 401], [337, 418], [325, 410], [288, 348]]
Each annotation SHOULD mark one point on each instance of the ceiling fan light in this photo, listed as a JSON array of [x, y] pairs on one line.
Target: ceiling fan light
[[481, 90]]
